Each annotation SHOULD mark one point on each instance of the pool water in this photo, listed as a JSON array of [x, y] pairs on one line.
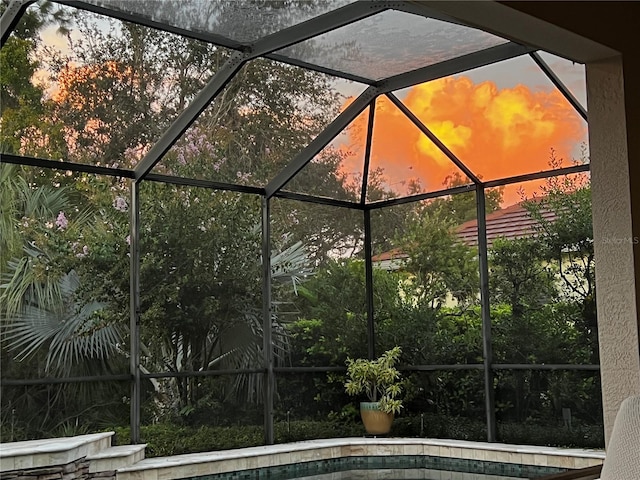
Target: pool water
[[391, 467], [405, 474]]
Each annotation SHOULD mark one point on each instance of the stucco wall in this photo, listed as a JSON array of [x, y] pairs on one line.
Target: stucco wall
[[614, 238]]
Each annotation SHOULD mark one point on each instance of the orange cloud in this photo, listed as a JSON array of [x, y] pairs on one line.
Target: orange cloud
[[495, 133]]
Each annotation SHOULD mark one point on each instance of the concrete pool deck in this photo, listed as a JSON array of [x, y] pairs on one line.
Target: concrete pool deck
[[100, 460]]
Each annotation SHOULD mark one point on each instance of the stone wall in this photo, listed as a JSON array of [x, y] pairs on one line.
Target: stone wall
[[77, 470]]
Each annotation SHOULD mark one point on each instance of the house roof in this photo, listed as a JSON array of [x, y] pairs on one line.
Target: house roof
[[510, 222]]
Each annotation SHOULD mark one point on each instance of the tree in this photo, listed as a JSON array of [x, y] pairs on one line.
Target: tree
[[21, 100], [117, 93], [461, 207], [518, 276], [547, 282], [563, 213], [34, 256], [440, 264], [520, 281], [24, 128]]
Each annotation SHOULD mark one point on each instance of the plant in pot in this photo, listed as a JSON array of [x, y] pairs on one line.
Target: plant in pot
[[380, 381]]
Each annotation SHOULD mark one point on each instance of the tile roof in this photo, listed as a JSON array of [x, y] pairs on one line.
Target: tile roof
[[511, 222]]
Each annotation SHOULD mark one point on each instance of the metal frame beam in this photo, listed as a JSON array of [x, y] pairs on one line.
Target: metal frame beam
[[537, 175], [545, 366], [308, 369], [444, 368], [371, 327], [67, 166], [301, 197], [441, 146], [317, 26], [421, 196], [10, 382], [10, 18], [318, 143], [419, 8], [320, 69], [453, 66], [267, 331], [134, 320], [548, 71], [485, 306], [197, 182], [367, 153], [140, 19], [202, 373]]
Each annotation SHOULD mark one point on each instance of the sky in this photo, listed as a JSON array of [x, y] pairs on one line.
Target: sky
[[502, 120]]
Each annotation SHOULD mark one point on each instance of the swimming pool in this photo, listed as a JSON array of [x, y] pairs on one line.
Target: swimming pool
[[339, 458], [390, 467]]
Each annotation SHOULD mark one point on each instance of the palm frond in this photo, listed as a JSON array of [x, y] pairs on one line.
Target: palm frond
[[292, 264], [10, 185], [44, 202], [72, 334], [20, 285], [249, 387]]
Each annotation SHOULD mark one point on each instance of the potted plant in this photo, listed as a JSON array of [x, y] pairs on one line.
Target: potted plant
[[380, 381]]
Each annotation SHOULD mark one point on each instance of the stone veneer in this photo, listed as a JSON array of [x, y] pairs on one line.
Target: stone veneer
[[76, 470], [54, 459], [24, 460]]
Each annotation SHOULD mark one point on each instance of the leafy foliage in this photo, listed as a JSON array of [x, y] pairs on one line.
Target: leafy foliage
[[440, 264], [461, 207], [168, 439], [71, 334], [378, 379], [518, 275], [567, 239]]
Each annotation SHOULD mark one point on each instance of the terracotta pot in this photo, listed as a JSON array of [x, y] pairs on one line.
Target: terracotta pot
[[375, 422]]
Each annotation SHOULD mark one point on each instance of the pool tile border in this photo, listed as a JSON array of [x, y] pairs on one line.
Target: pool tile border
[[199, 465], [385, 462]]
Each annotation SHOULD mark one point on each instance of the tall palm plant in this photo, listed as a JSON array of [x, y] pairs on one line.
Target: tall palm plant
[[290, 266], [70, 333], [45, 327], [41, 311], [21, 203]]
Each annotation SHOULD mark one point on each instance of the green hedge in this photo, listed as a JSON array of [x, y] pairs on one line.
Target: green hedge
[[168, 439], [583, 436]]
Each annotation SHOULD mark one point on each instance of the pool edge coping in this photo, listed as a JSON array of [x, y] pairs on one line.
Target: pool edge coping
[[224, 461]]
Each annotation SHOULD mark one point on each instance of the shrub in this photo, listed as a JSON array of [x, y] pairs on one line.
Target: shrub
[[168, 439]]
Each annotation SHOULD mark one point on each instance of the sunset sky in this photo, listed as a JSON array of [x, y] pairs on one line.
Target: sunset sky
[[500, 121]]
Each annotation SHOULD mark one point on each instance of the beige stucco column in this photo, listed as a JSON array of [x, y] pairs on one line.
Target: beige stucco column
[[616, 279]]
